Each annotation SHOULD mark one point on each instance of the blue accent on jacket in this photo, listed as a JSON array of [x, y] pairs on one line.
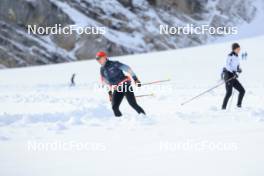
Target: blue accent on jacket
[[112, 72]]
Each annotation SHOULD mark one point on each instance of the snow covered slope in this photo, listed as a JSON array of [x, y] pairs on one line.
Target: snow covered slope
[[37, 105]]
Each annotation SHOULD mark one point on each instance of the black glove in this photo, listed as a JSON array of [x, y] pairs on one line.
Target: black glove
[[235, 74], [137, 82], [110, 95], [223, 74], [239, 70]]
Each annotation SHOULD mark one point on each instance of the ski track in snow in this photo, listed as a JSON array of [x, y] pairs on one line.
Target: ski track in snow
[[71, 106], [62, 111]]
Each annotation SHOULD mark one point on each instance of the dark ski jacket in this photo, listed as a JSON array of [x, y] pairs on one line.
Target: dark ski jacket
[[112, 73]]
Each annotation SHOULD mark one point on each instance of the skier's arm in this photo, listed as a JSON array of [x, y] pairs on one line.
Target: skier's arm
[[126, 68], [103, 79], [232, 64], [106, 83], [229, 64], [239, 70]]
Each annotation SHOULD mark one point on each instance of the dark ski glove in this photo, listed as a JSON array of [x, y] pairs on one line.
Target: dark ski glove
[[110, 95], [235, 74], [223, 74], [137, 82], [239, 70]]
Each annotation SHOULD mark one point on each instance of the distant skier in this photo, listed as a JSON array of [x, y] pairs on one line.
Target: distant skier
[[112, 74], [73, 80], [230, 71], [245, 56]]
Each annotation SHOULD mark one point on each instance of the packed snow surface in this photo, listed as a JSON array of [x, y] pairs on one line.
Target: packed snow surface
[[39, 107]]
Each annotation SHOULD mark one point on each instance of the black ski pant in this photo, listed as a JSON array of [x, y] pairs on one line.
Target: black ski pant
[[234, 83], [124, 90]]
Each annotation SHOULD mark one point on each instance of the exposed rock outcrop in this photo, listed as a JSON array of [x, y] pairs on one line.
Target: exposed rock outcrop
[[132, 26]]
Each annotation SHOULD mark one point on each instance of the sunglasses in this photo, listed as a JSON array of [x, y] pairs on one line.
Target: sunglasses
[[98, 58]]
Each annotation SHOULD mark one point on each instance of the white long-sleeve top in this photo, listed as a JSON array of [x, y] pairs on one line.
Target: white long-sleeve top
[[232, 62]]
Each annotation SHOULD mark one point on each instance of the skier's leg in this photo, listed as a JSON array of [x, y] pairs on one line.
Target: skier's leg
[[132, 101], [229, 87], [116, 101], [237, 85]]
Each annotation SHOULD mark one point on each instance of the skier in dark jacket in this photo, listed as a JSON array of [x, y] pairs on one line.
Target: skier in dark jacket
[[112, 74], [230, 76]]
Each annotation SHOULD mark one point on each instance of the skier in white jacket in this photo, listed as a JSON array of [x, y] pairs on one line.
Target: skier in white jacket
[[230, 76]]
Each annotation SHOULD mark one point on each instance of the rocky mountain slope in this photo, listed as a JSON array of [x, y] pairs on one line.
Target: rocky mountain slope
[[132, 26]]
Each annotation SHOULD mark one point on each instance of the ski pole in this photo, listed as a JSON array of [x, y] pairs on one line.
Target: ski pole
[[155, 82], [146, 95], [199, 95]]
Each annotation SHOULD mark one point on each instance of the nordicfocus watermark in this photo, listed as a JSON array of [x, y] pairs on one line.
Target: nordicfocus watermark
[[65, 146], [190, 145], [68, 30], [191, 29], [128, 86]]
